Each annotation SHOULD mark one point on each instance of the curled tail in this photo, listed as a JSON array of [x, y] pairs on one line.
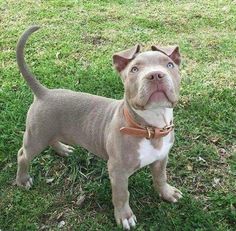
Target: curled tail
[[33, 83]]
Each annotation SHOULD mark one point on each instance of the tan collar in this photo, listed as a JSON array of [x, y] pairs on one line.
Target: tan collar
[[147, 132]]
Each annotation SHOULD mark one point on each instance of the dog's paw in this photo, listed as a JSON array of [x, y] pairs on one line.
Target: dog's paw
[[66, 150], [26, 183], [63, 149], [128, 223], [125, 218], [170, 193]]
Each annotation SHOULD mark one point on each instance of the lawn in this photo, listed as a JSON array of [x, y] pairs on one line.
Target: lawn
[[73, 50]]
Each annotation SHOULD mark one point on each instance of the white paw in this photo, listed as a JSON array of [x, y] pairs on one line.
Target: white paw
[[126, 218], [128, 223], [27, 184], [64, 150], [68, 149], [169, 193]]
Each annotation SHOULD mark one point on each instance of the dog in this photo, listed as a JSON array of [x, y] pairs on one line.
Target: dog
[[129, 133]]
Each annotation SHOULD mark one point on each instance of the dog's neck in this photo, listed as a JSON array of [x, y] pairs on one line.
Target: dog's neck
[[158, 117]]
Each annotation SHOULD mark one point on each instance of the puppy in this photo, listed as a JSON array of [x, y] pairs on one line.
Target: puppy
[[129, 133]]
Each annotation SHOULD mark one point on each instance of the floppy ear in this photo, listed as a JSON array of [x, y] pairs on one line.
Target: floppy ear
[[121, 59], [172, 52]]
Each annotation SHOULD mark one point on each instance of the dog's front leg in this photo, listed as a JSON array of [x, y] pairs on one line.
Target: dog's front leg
[[166, 191], [120, 197]]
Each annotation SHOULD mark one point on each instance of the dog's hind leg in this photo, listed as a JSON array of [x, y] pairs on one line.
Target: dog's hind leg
[[32, 146], [62, 149]]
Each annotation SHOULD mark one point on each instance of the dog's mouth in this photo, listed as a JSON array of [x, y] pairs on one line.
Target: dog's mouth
[[158, 96]]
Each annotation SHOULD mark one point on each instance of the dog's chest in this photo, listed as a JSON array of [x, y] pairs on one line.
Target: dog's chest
[[148, 153]]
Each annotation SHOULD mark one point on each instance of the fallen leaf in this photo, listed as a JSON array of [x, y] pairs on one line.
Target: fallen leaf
[[216, 182], [214, 140], [44, 227], [196, 138], [49, 180], [201, 159], [190, 167], [61, 224], [15, 87], [59, 216], [57, 54], [80, 200]]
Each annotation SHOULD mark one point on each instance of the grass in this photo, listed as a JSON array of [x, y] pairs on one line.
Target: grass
[[73, 50]]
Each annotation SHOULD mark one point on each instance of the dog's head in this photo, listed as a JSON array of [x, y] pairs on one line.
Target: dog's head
[[151, 79]]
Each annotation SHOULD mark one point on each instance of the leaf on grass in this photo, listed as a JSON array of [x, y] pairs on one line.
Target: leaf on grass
[[190, 167], [44, 227], [216, 182], [80, 200], [214, 139], [196, 137], [57, 54], [49, 180], [9, 165], [59, 216], [15, 87], [201, 159], [61, 224]]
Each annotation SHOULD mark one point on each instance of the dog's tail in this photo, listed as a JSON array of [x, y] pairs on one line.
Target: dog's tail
[[33, 83]]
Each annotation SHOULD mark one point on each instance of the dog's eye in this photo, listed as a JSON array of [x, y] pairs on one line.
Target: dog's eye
[[170, 65], [134, 69]]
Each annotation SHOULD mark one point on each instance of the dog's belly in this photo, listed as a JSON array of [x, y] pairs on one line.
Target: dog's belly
[[148, 153]]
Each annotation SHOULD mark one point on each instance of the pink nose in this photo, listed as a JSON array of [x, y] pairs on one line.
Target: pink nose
[[156, 75]]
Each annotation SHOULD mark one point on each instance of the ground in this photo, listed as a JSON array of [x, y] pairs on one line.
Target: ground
[[73, 50]]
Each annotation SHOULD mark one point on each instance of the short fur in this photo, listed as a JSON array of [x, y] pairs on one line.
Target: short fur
[[151, 80]]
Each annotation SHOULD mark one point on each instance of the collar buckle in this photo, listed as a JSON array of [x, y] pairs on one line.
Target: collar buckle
[[151, 132]]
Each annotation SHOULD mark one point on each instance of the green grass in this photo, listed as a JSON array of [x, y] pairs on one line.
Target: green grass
[[73, 50]]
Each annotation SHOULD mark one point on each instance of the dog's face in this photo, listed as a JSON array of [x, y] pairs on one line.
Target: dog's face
[[151, 79]]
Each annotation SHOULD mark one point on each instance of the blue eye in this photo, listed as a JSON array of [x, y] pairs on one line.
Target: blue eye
[[170, 65], [134, 69]]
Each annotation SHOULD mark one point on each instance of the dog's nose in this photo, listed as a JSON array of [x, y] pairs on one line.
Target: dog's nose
[[156, 75]]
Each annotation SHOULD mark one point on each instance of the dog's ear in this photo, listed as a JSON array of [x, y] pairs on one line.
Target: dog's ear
[[121, 59], [171, 51]]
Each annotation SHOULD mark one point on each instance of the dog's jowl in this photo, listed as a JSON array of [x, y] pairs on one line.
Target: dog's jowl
[[129, 133]]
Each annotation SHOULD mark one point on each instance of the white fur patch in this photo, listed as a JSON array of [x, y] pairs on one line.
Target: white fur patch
[[159, 117], [148, 154]]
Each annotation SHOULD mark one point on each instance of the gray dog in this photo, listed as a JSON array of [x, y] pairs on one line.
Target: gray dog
[[129, 133]]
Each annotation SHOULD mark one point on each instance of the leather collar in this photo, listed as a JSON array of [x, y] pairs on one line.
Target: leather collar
[[148, 132]]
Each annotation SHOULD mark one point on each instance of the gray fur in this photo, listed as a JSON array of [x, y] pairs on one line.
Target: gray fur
[[60, 116], [33, 83]]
